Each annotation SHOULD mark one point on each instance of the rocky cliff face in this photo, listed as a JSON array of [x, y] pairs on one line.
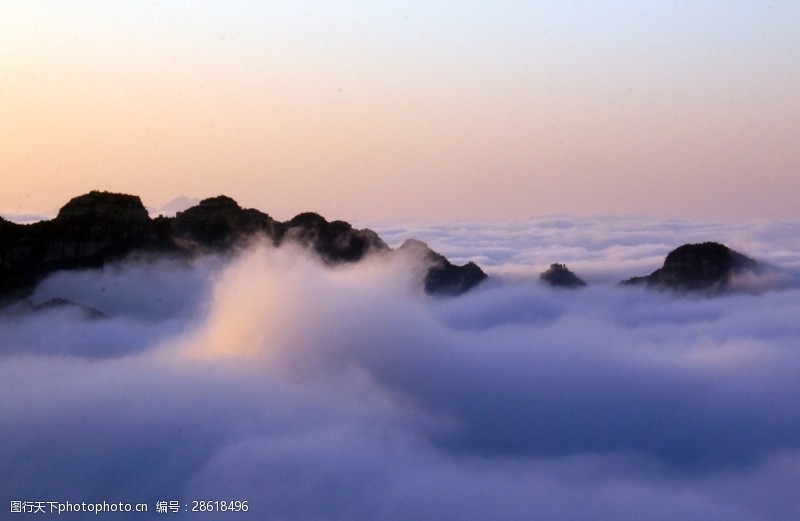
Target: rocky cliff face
[[707, 267], [99, 227]]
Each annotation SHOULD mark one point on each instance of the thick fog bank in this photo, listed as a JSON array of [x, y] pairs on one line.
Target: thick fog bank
[[345, 393]]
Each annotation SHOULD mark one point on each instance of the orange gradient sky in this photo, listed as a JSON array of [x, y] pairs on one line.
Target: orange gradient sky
[[434, 109]]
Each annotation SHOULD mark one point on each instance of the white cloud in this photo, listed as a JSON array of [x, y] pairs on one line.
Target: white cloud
[[319, 393]]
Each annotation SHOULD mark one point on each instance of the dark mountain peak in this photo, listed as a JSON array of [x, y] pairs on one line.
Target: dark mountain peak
[[219, 203], [88, 231], [219, 222], [444, 277], [706, 267], [450, 279], [104, 205], [335, 241], [707, 258], [219, 207], [307, 220], [558, 275]]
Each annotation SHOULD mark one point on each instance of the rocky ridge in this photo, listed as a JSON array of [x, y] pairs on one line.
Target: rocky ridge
[[100, 227]]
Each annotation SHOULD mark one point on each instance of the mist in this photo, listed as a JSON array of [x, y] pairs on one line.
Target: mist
[[320, 393]]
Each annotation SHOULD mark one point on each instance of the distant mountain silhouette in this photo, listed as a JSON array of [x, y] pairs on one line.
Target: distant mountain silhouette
[[707, 267], [176, 205], [99, 227], [25, 218]]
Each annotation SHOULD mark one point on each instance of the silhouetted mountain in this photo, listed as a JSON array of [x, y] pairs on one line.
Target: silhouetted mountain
[[335, 241], [87, 232], [176, 205], [706, 267], [99, 227], [559, 275], [443, 277], [218, 223]]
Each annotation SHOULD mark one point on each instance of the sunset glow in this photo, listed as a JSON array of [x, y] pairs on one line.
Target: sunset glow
[[412, 109]]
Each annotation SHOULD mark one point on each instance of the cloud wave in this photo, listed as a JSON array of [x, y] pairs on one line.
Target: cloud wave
[[346, 393]]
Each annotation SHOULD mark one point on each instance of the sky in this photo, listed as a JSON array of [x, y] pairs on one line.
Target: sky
[[344, 393], [421, 109]]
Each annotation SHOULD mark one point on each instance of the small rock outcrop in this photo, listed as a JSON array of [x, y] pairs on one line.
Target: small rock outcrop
[[706, 267], [558, 275], [444, 277], [100, 227]]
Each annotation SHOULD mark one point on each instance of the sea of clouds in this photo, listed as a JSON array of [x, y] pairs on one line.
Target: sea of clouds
[[320, 393]]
